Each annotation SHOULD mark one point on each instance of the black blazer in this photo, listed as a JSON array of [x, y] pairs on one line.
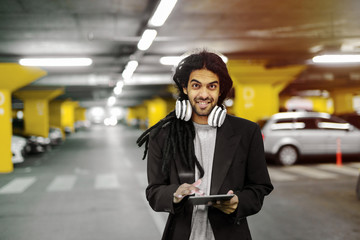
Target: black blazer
[[239, 165]]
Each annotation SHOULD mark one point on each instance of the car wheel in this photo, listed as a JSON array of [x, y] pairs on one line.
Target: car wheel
[[287, 155], [358, 188]]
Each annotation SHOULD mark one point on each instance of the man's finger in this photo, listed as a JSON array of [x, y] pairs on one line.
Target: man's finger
[[197, 183]]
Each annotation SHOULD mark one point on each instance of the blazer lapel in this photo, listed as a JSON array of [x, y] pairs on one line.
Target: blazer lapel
[[226, 142]]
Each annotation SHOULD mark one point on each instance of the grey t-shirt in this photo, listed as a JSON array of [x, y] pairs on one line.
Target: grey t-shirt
[[204, 143]]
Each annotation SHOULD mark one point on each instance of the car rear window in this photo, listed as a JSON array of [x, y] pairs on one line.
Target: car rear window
[[282, 124], [333, 124], [306, 123]]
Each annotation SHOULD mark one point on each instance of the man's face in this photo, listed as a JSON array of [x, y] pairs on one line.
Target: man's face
[[203, 91]]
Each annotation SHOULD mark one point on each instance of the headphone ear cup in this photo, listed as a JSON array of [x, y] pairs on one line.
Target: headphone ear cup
[[178, 109], [183, 110], [188, 110], [211, 116], [222, 116], [217, 116]]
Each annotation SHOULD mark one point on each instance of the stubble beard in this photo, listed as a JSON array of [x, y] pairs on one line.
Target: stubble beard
[[198, 110]]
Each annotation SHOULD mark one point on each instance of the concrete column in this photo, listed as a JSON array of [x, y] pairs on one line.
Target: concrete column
[[62, 114], [257, 88], [343, 100], [12, 77], [36, 109], [157, 110]]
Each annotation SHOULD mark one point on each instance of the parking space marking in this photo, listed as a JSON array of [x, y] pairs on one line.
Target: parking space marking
[[278, 175], [339, 169], [62, 183], [355, 165], [310, 172], [107, 181], [17, 185]]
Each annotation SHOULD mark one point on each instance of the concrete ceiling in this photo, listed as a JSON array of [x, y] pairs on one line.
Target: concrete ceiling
[[280, 32]]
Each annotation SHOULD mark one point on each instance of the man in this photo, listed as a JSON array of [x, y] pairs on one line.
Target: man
[[200, 150]]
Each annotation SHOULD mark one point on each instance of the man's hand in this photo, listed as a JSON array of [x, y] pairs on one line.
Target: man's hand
[[228, 206], [187, 189]]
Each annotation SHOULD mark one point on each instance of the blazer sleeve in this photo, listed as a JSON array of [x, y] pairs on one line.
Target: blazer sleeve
[[159, 191], [257, 181]]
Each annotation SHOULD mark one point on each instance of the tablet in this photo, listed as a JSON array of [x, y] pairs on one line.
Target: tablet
[[199, 200]]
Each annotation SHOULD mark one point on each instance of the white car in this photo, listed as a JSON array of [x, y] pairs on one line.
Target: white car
[[18, 148], [55, 135], [289, 135]]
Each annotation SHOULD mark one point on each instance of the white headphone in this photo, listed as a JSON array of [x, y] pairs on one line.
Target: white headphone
[[183, 111]]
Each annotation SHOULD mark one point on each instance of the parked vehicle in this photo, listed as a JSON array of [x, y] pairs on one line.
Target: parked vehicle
[[290, 135], [353, 118], [82, 125], [55, 136], [18, 145], [37, 144]]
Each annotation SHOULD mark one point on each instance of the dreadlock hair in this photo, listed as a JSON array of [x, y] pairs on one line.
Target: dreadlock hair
[[181, 134]]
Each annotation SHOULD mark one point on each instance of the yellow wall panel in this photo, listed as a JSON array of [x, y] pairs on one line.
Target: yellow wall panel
[[6, 131]]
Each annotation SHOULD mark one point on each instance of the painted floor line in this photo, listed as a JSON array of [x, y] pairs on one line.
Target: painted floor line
[[339, 169], [62, 183], [310, 172], [17, 185], [278, 175], [106, 181]]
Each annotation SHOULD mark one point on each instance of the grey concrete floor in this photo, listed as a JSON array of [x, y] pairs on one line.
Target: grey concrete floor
[[92, 187]]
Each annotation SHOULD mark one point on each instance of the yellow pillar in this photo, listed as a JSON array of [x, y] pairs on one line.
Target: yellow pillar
[[68, 113], [257, 88], [36, 110], [157, 110], [322, 104], [142, 115], [131, 116], [6, 131], [80, 114], [55, 114], [12, 77], [343, 100], [62, 114]]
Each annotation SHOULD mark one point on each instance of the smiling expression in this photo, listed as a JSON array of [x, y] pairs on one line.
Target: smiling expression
[[203, 91]]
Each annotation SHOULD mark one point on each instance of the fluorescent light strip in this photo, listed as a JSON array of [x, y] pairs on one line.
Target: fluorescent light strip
[[146, 39], [170, 60], [56, 62], [129, 69], [338, 58], [162, 12]]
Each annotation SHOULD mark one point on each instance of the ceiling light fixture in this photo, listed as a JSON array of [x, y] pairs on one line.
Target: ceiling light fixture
[[129, 69], [146, 39], [337, 58], [162, 12], [111, 101], [56, 62], [118, 88], [170, 60]]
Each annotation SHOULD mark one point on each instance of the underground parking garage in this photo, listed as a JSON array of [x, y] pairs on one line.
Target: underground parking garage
[[81, 81]]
